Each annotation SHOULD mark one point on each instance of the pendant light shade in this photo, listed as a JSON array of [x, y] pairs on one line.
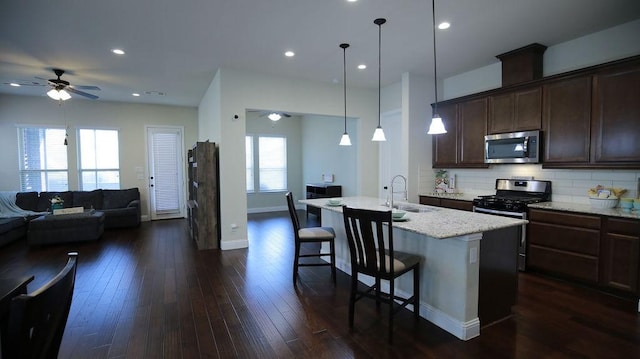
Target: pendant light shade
[[378, 135], [437, 126], [345, 140]]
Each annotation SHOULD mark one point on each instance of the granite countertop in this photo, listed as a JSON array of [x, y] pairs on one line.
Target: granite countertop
[[586, 209], [436, 222]]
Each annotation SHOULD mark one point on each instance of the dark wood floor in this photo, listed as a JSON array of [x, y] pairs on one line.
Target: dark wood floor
[[147, 293]]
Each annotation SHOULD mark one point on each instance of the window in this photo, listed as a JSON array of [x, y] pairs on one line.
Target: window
[[99, 159], [272, 163], [249, 162], [43, 159]]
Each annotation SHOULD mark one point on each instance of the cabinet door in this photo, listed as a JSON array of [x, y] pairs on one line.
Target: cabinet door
[[457, 204], [616, 116], [501, 113], [528, 110], [516, 111], [567, 121], [431, 201], [621, 252], [473, 127], [445, 146]]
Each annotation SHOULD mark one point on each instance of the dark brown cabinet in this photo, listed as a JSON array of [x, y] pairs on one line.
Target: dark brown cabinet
[[616, 116], [567, 121], [472, 123], [598, 250], [321, 190], [564, 244], [519, 110], [621, 254], [463, 144], [203, 204], [447, 203], [445, 146]]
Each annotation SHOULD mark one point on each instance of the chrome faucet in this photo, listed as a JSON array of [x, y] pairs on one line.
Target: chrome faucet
[[404, 179]]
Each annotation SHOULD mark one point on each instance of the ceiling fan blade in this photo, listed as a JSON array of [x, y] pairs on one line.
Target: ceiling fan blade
[[78, 92], [90, 88]]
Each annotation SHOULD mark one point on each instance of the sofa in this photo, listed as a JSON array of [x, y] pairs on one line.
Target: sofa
[[121, 208]]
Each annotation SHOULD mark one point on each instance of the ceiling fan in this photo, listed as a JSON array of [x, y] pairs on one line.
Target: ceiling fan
[[61, 88], [275, 116]]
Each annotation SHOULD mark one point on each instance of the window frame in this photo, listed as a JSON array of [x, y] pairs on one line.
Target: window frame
[[258, 170], [45, 185], [97, 170]]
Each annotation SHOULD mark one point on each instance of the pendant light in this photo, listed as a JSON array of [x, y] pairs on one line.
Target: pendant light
[[345, 140], [437, 126], [378, 135]]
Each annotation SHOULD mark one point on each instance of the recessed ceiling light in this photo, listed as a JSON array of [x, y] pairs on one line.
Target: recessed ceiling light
[[118, 51], [14, 84], [135, 94], [444, 25], [352, 0], [362, 66], [289, 54]]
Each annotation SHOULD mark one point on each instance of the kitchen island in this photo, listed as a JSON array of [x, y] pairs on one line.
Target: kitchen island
[[469, 271]]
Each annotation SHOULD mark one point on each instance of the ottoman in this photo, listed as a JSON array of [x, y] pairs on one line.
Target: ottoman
[[63, 228]]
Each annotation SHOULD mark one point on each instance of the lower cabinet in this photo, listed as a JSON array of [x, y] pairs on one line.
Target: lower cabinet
[[620, 252], [321, 190], [447, 203], [597, 250]]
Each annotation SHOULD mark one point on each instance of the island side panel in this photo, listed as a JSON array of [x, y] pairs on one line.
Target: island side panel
[[448, 279]]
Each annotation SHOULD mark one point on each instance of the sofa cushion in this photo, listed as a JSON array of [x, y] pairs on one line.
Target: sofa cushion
[[7, 224], [44, 201], [27, 200], [119, 198], [88, 199]]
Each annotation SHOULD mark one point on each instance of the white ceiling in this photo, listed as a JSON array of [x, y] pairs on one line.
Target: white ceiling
[[175, 47]]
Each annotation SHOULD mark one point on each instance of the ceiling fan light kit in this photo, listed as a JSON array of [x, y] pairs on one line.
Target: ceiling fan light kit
[[274, 116], [58, 94]]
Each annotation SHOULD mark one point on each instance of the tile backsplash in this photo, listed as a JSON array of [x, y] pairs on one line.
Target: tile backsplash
[[568, 185]]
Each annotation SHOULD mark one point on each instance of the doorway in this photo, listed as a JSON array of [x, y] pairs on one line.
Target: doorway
[[166, 172]]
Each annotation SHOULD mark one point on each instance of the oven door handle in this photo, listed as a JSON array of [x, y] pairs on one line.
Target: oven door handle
[[502, 213]]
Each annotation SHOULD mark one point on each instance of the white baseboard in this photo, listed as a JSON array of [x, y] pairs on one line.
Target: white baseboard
[[234, 244], [274, 209]]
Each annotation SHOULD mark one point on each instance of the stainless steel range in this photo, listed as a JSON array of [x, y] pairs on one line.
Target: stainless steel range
[[511, 200]]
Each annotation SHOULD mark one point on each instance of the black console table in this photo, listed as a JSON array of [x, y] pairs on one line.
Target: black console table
[[321, 190]]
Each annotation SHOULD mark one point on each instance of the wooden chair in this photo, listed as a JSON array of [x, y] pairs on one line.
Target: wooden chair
[[366, 233], [311, 235], [37, 320]]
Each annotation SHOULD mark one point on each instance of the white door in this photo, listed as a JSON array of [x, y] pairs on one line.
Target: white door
[[166, 172], [391, 153]]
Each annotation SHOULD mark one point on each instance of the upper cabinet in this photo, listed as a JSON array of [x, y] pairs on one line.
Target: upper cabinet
[[515, 111], [616, 116], [592, 119], [567, 121], [463, 144]]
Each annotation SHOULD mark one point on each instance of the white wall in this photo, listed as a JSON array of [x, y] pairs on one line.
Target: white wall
[[233, 92], [568, 185], [321, 153], [129, 119]]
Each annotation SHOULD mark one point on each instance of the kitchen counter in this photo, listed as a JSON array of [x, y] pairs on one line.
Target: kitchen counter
[[434, 222], [585, 208], [469, 270]]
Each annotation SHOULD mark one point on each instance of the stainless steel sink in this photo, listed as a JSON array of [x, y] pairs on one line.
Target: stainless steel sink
[[415, 209]]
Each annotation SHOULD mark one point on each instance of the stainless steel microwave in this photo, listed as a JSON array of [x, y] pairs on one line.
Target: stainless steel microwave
[[514, 147]]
